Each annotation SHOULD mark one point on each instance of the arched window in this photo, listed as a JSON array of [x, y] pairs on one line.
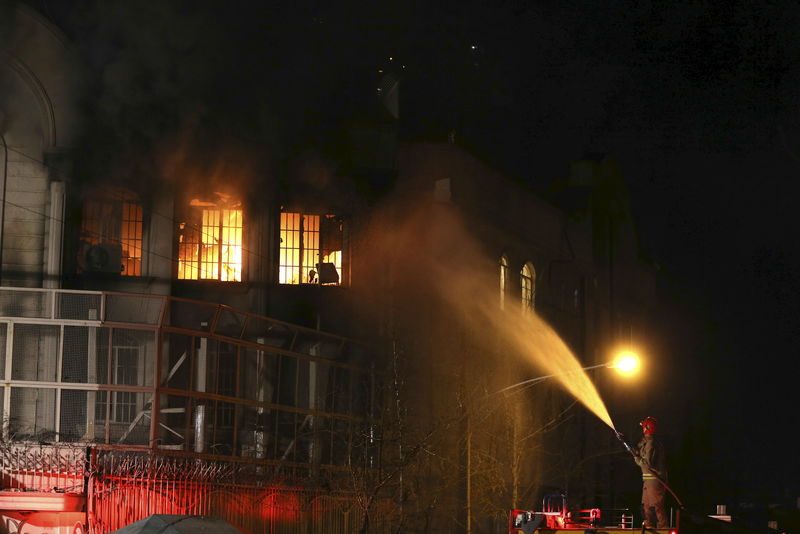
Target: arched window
[[503, 280], [527, 281]]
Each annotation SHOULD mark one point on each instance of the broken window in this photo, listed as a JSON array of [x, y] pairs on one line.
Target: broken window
[[527, 278], [111, 232], [310, 249], [210, 240]]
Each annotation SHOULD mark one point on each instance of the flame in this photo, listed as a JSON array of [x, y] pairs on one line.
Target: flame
[[212, 250]]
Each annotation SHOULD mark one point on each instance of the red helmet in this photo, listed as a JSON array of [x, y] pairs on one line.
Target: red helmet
[[649, 426]]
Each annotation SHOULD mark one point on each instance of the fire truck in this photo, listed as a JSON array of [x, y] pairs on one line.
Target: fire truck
[[554, 518]]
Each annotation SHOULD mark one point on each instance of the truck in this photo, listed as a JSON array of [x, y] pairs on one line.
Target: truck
[[555, 518]]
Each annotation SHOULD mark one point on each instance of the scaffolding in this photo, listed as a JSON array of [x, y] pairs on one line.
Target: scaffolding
[[148, 372]]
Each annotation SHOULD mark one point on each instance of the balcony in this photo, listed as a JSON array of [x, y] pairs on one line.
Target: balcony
[[146, 372]]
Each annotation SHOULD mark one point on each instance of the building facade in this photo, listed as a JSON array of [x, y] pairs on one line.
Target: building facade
[[291, 355]]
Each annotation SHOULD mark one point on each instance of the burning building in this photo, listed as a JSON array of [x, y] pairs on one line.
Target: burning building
[[210, 342]]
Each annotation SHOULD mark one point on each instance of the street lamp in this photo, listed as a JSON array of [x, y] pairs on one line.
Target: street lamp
[[626, 363]]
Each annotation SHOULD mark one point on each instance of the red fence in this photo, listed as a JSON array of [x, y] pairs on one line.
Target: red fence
[[72, 489], [116, 406]]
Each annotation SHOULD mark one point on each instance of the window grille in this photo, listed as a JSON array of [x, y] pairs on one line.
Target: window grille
[[310, 249], [126, 372], [114, 217], [210, 241], [527, 278]]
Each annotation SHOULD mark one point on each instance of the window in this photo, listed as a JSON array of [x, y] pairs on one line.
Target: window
[[125, 371], [503, 280], [527, 280], [111, 232], [310, 249], [210, 240]]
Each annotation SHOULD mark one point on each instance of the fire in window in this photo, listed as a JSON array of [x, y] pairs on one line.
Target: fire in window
[[210, 240], [111, 232], [310, 249]]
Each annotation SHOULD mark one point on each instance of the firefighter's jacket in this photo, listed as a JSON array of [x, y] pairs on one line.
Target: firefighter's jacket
[[652, 458]]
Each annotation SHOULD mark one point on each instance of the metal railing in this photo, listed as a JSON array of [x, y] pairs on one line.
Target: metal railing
[[117, 487], [158, 372]]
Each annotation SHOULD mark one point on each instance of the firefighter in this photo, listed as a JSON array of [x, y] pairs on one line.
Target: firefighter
[[650, 456]]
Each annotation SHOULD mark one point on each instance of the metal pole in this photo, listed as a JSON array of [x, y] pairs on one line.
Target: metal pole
[[200, 386], [469, 475], [545, 377], [3, 205]]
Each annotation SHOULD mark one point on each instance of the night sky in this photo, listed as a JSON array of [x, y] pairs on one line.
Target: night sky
[[699, 102]]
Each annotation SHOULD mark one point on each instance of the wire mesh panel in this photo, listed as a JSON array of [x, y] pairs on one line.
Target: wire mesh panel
[[84, 354], [3, 338], [35, 353], [76, 305], [274, 400], [74, 417], [33, 414], [296, 405], [26, 303], [136, 309], [191, 315]]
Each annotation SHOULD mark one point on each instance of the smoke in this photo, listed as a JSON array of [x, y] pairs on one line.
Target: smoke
[[435, 269], [144, 81], [433, 257], [163, 77]]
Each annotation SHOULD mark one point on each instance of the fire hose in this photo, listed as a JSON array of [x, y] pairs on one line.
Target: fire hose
[[658, 477]]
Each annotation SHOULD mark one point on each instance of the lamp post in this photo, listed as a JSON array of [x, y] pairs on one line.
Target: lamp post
[[626, 363]]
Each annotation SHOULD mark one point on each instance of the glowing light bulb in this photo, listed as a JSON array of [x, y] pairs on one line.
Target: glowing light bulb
[[626, 363]]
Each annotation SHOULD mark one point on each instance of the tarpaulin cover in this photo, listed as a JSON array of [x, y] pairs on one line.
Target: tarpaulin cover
[[179, 524]]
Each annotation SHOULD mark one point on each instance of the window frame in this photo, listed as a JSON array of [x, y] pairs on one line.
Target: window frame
[[527, 282], [107, 210], [293, 252], [192, 222], [505, 273]]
